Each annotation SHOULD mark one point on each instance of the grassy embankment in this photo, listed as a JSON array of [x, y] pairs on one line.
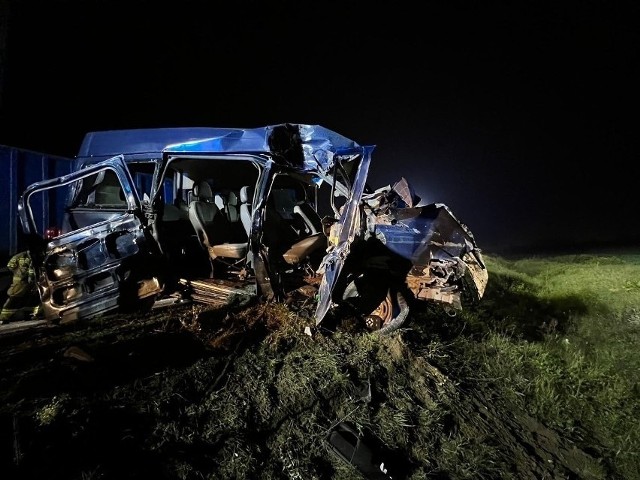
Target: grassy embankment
[[204, 394], [562, 336]]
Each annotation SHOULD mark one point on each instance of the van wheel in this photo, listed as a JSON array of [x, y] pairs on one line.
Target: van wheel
[[383, 311]]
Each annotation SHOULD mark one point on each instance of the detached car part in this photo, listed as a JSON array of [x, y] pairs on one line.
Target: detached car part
[[347, 444]]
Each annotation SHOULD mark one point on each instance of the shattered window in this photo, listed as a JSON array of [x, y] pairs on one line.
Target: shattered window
[[102, 189]]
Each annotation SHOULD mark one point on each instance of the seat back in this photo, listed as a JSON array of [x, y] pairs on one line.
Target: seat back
[[202, 212], [233, 207], [183, 207], [311, 221], [108, 191], [246, 200], [239, 214]]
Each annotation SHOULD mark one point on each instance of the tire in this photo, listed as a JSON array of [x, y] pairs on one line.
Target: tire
[[383, 312]]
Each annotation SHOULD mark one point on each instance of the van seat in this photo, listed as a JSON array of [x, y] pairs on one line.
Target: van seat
[[305, 247]]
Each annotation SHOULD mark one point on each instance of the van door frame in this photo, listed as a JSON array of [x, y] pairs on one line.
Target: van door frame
[[99, 267]]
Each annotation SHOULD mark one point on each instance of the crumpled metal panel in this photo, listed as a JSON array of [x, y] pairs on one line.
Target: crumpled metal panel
[[80, 278], [406, 192], [442, 250], [433, 232], [318, 144], [349, 227]]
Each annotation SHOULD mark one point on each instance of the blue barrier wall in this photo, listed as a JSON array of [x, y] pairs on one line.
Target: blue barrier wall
[[18, 169]]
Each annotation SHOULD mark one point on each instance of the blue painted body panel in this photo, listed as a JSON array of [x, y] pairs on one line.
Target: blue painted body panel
[[136, 144], [20, 168]]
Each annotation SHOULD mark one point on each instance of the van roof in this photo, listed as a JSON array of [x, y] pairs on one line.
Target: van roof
[[108, 143], [152, 142]]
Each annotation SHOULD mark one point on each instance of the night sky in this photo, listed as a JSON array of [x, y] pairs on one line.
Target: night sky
[[522, 117]]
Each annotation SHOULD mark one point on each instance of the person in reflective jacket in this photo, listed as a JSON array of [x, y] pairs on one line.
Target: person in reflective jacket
[[23, 300]]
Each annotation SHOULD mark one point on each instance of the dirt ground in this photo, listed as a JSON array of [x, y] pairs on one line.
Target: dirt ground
[[119, 397]]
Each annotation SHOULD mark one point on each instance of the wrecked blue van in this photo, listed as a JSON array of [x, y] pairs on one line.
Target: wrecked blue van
[[223, 215]]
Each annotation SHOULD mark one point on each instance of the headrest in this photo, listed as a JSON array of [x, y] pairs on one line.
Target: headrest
[[232, 199], [219, 201], [202, 190], [246, 194]]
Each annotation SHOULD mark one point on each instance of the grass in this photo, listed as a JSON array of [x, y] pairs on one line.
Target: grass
[[565, 347], [541, 376]]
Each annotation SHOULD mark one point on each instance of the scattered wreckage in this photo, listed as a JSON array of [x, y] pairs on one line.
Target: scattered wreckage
[[217, 215]]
